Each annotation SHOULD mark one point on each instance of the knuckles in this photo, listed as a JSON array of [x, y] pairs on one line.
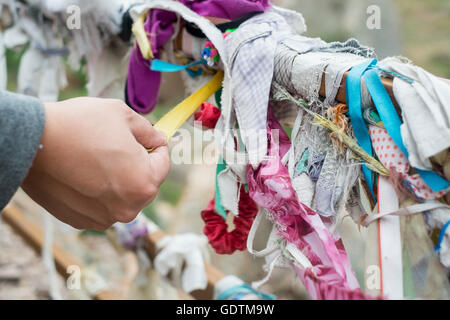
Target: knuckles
[[125, 215], [148, 191], [123, 109], [104, 227], [82, 226], [126, 201], [141, 189], [135, 200]]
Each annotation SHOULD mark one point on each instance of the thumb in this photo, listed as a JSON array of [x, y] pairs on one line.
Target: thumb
[[145, 134]]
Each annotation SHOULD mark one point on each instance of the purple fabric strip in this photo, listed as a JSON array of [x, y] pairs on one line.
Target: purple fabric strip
[[142, 83], [226, 9]]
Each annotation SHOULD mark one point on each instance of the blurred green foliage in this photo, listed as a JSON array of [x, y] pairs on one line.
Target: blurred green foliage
[[13, 59], [426, 32]]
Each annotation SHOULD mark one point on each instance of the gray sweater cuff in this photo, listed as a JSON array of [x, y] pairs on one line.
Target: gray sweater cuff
[[22, 120]]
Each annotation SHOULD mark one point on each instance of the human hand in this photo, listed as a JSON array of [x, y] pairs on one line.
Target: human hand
[[93, 169]]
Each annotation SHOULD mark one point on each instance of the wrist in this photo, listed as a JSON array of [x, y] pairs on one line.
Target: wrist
[[46, 134]]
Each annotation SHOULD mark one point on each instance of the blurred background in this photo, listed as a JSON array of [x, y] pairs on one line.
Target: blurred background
[[417, 29]]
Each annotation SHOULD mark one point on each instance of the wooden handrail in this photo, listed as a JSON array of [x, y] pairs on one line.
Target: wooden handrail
[[34, 236]]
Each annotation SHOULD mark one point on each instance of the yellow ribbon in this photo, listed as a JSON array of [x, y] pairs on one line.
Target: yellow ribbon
[[174, 119], [141, 37]]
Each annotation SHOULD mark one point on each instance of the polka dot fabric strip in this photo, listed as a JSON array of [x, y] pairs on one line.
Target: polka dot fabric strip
[[393, 158]]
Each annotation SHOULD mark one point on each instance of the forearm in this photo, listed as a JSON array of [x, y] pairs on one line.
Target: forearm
[[22, 120]]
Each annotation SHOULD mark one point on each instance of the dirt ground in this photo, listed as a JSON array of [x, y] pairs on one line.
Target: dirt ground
[[22, 272]]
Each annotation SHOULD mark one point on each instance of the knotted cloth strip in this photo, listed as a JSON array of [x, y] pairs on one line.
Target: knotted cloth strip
[[216, 228]]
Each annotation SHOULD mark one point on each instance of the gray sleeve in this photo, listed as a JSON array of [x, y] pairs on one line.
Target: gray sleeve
[[22, 120]]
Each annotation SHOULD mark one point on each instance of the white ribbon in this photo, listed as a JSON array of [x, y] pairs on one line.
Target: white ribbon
[[391, 265], [414, 209], [183, 257]]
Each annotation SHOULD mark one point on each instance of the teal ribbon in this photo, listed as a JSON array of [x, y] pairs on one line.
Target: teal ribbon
[[164, 66], [302, 166], [218, 97], [221, 165], [353, 97], [392, 123], [241, 291], [217, 200]]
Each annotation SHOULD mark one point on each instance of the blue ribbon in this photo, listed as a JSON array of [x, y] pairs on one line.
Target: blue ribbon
[[388, 116], [353, 97], [441, 236], [385, 108], [241, 291], [221, 166], [392, 123], [164, 66]]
